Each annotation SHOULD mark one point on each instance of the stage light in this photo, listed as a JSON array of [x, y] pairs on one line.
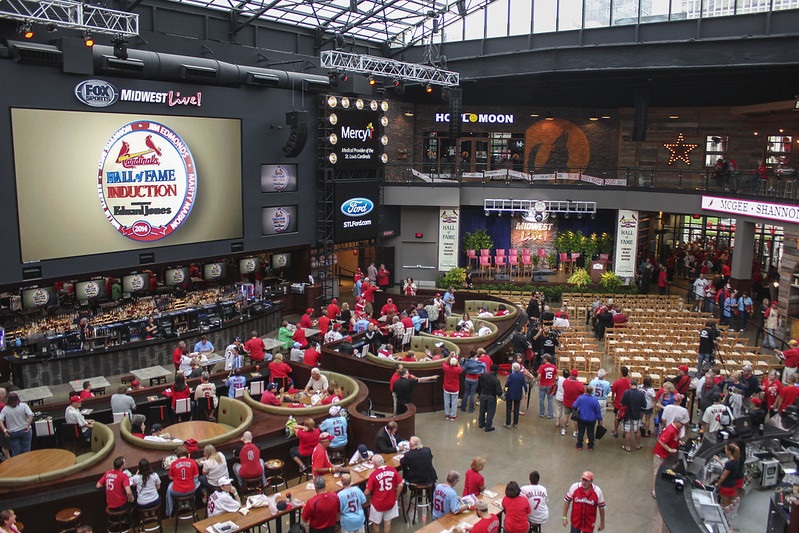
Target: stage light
[[87, 40], [429, 88], [345, 77], [384, 105], [397, 82], [359, 104], [51, 28], [384, 158], [121, 48], [372, 80], [345, 102], [25, 30], [332, 101], [333, 119], [333, 138], [332, 158], [384, 140], [373, 105], [486, 213], [384, 121], [549, 116]]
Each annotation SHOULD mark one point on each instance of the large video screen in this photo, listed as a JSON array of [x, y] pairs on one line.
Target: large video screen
[[358, 135], [114, 182], [355, 214]]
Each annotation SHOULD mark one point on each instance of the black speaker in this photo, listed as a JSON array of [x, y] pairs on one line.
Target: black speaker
[[455, 110], [641, 111], [298, 122]]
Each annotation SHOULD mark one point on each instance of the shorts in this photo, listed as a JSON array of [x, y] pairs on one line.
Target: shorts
[[377, 517], [648, 411], [739, 483], [295, 452], [631, 425], [603, 405], [728, 492], [359, 530]]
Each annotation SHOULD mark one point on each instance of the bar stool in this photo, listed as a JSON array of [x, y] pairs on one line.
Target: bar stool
[[150, 519], [274, 474], [118, 520], [68, 519], [306, 475], [419, 497], [185, 509], [336, 456], [251, 486]]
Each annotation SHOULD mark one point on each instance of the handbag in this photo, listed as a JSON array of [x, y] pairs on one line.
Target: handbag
[[622, 414], [600, 432], [575, 415]]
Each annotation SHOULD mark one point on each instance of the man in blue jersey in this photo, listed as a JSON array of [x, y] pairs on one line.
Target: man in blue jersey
[[601, 388], [351, 501]]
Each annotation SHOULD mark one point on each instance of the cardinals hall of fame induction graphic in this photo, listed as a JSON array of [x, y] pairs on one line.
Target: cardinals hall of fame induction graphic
[[147, 181]]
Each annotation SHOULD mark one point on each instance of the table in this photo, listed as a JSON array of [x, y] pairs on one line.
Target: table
[[155, 374], [197, 429], [98, 383], [212, 360], [36, 462], [300, 493], [449, 520], [271, 344], [35, 395], [310, 332]]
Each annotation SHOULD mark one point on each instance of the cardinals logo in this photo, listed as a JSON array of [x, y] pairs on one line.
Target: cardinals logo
[[147, 181]]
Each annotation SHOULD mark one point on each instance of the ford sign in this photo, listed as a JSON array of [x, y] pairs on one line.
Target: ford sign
[[96, 93], [357, 207]]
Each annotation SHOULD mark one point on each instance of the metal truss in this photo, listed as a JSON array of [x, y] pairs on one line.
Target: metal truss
[[492, 205], [73, 15], [391, 68]]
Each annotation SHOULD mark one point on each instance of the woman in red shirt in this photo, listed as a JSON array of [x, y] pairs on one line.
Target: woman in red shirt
[[179, 391], [279, 372], [668, 443], [516, 509], [771, 386], [308, 435], [474, 482], [452, 383]]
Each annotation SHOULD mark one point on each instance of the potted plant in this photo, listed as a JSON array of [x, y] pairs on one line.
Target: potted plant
[[580, 277], [605, 243], [610, 282], [477, 240]]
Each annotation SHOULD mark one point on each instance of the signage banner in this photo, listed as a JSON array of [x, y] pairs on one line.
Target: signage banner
[[355, 213], [358, 144], [752, 208], [626, 243], [448, 225]]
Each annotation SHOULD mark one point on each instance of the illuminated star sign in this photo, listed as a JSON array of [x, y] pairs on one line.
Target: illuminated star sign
[[679, 150]]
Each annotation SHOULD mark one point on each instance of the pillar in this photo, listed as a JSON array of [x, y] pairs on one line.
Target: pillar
[[741, 268]]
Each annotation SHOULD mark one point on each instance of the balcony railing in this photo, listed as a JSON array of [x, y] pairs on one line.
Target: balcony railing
[[739, 183]]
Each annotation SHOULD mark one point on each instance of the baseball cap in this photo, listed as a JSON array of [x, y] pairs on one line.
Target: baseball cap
[[74, 398], [334, 410], [225, 481], [348, 338], [481, 505], [135, 383], [574, 372], [156, 427], [309, 310], [438, 295], [335, 300], [325, 436], [439, 345], [363, 450], [237, 339], [601, 373], [271, 386], [297, 345], [587, 475], [682, 368]]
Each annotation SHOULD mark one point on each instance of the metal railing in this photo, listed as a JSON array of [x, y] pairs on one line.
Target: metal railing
[[742, 182]]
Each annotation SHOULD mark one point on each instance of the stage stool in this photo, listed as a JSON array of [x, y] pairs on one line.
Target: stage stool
[[118, 520], [185, 509], [419, 497], [251, 487], [274, 474], [68, 519], [150, 520], [306, 476]]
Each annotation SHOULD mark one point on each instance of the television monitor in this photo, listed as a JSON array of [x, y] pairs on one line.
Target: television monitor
[[39, 297], [249, 265], [174, 277], [214, 271], [89, 290], [135, 283], [281, 261], [278, 220], [279, 178]]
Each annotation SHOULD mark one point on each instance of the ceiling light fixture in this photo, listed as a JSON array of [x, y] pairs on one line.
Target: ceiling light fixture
[[88, 40], [25, 30], [428, 89]]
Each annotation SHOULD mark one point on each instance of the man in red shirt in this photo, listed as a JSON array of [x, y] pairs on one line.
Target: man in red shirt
[[305, 320], [618, 388], [299, 336], [484, 358], [333, 309], [406, 320], [547, 377], [368, 293], [250, 465], [771, 387], [255, 347], [585, 499], [668, 443], [321, 511], [320, 461], [312, 355], [178, 353], [269, 397], [117, 486], [384, 484], [572, 389], [787, 395], [183, 474], [323, 323], [488, 523], [389, 307], [791, 357]]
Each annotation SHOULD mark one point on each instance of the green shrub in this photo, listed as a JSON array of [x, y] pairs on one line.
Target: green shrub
[[610, 282], [580, 277]]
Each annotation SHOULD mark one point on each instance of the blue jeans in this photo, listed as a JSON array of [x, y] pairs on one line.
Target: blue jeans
[[768, 340], [169, 493], [469, 390], [451, 404], [703, 358], [19, 441], [544, 396], [237, 467]]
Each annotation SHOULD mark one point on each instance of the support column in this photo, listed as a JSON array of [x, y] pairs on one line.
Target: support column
[[741, 268]]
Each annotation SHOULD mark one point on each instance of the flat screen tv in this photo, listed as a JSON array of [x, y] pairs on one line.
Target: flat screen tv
[[213, 271], [39, 297], [174, 277], [135, 283], [249, 265], [90, 290]]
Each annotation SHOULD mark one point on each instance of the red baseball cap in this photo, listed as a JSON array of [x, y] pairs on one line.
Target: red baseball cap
[[309, 310], [587, 475], [348, 338], [335, 300], [325, 436], [574, 372], [682, 368], [74, 398]]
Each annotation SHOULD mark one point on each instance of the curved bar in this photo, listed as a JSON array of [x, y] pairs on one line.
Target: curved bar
[[419, 344], [452, 321], [364, 428], [473, 306], [349, 385]]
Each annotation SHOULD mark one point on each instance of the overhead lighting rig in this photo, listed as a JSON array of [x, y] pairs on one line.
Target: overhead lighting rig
[[566, 207], [69, 14], [391, 68]]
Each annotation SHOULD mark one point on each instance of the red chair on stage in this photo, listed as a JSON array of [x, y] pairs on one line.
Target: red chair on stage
[[471, 255], [500, 262], [527, 264], [500, 252], [485, 252], [563, 257], [485, 264], [513, 263]]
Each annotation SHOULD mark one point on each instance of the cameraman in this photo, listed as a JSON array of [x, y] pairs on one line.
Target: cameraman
[[550, 343], [535, 336], [707, 345]]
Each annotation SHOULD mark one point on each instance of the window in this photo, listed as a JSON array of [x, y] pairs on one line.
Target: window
[[778, 149], [715, 149]]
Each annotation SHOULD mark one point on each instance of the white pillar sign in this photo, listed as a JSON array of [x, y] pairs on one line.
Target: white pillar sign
[[448, 223], [626, 243]]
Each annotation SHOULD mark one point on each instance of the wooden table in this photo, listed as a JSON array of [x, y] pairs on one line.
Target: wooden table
[[197, 429], [153, 374], [449, 520], [36, 462], [97, 383], [35, 395], [299, 494]]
